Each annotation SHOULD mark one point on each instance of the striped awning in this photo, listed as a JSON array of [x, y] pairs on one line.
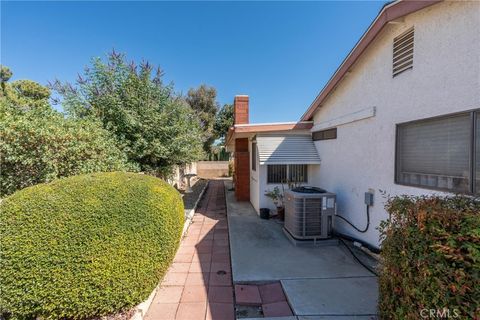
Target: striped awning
[[287, 149]]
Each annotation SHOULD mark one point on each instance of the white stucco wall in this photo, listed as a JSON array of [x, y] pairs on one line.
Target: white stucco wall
[[266, 202], [445, 79], [254, 181]]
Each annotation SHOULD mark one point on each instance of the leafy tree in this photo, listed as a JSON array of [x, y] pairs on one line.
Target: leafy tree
[[30, 90], [156, 128], [39, 144], [5, 75], [223, 121], [203, 101], [22, 93]]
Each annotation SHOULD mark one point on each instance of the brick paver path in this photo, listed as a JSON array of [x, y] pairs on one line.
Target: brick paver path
[[198, 285]]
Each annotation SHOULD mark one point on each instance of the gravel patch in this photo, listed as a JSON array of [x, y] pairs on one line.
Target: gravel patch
[[190, 199]]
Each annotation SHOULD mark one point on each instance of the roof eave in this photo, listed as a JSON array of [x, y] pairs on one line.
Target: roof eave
[[266, 127], [271, 127]]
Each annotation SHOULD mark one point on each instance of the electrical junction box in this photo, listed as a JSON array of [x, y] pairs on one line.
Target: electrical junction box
[[369, 198]]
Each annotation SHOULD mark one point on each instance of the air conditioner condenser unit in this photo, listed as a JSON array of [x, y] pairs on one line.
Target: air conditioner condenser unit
[[309, 213]]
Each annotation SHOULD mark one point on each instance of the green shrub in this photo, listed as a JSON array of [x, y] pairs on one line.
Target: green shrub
[[156, 128], [39, 145], [431, 257], [87, 245]]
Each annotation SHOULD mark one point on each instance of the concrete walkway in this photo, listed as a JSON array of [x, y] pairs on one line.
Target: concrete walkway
[[323, 282], [198, 284]]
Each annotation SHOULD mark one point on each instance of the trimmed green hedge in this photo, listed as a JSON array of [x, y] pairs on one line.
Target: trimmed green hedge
[[431, 258], [86, 245]]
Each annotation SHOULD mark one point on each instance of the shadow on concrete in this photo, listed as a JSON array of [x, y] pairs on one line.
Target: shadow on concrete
[[213, 252]]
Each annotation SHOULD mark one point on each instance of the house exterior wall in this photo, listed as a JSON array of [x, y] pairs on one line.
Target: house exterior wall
[[254, 182], [258, 177], [265, 202], [445, 79]]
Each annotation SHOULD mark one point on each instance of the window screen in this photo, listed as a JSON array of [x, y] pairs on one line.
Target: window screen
[[276, 173], [254, 156], [435, 153], [298, 173], [325, 134], [282, 173]]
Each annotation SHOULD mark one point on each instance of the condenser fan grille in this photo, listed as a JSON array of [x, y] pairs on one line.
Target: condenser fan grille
[[307, 216]]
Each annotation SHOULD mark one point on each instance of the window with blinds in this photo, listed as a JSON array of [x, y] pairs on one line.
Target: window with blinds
[[403, 52], [437, 153], [282, 173]]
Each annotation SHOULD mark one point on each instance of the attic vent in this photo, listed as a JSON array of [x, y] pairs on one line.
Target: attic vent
[[403, 52]]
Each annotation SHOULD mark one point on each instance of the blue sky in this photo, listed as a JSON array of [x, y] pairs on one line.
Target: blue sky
[[279, 53]]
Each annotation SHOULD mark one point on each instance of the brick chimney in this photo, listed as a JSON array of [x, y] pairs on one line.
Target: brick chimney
[[242, 156], [240, 109]]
